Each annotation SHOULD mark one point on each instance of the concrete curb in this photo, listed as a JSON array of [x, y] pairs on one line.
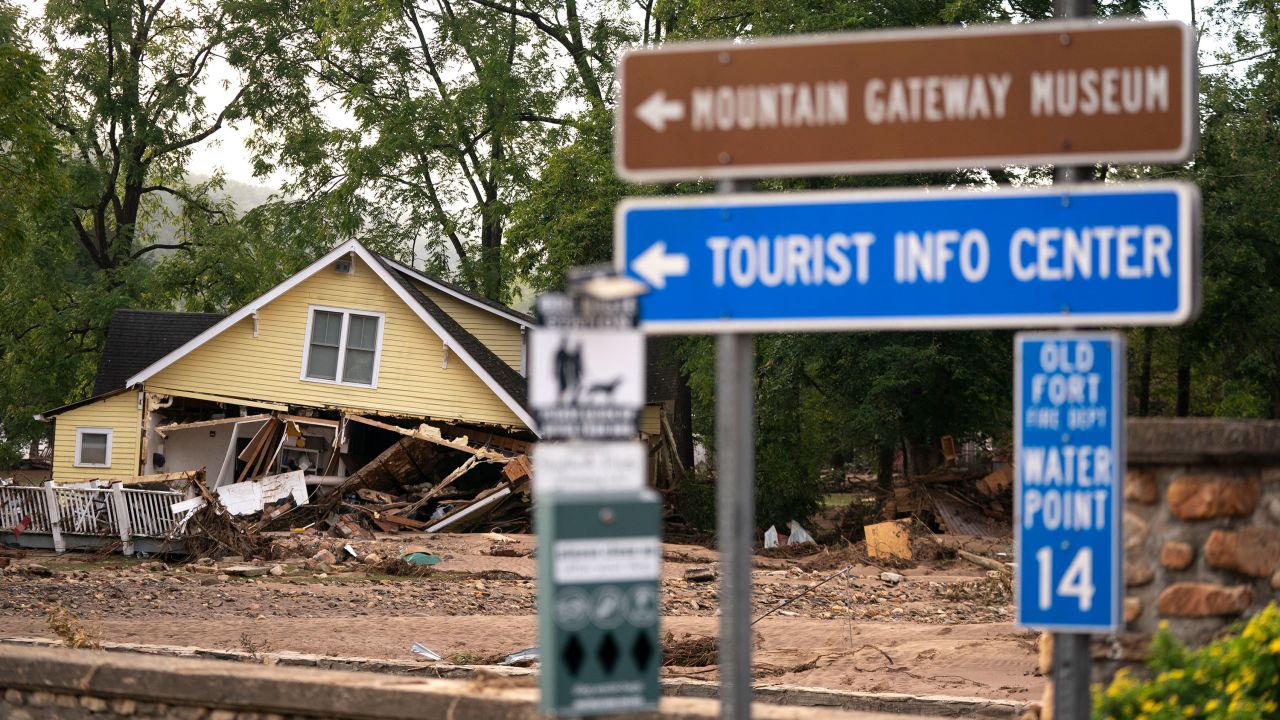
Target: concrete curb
[[776, 694], [63, 678]]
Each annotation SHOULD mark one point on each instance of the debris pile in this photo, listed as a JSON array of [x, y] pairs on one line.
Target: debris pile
[[427, 481], [422, 479]]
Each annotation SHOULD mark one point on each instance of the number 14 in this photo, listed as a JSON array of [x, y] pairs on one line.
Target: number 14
[[1077, 582]]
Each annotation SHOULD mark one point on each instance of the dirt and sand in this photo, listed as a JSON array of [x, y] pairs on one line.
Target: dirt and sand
[[944, 628]]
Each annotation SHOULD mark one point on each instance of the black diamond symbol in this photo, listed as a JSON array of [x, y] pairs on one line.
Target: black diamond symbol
[[573, 655], [608, 653], [642, 651]]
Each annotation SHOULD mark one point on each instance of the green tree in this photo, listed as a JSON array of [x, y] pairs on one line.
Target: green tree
[[450, 108], [99, 125]]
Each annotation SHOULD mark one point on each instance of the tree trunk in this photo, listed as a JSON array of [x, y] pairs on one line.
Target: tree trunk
[[1144, 373], [884, 478], [682, 420]]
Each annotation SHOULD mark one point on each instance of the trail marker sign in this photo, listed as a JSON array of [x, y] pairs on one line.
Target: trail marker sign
[[1069, 464], [586, 370], [1064, 256], [908, 100], [599, 560]]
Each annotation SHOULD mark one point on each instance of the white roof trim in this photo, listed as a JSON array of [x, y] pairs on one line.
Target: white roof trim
[[454, 346], [417, 275], [235, 317], [354, 247]]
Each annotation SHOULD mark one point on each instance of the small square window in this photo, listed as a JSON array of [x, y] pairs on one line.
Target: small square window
[[93, 447]]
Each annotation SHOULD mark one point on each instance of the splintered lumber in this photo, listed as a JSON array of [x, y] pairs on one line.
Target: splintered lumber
[[517, 469], [399, 520], [486, 499], [158, 478], [446, 482], [362, 477], [162, 429], [259, 439], [255, 455], [487, 439], [432, 434]]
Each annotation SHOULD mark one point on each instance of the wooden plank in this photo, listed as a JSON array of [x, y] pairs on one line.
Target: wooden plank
[[446, 482], [210, 423], [518, 468], [258, 440], [157, 478], [403, 521], [310, 420], [482, 438], [487, 498], [256, 460], [432, 434]]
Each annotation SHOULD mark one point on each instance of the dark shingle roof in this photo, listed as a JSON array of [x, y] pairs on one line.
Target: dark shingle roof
[[511, 381], [394, 265], [483, 300], [138, 338]]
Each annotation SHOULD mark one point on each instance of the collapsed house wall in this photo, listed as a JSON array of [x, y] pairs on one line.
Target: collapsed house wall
[[195, 448], [413, 376]]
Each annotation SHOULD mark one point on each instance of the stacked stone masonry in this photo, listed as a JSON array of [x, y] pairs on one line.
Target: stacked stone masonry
[[1202, 525]]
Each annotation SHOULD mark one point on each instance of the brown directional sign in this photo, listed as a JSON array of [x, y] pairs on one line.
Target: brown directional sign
[[900, 101]]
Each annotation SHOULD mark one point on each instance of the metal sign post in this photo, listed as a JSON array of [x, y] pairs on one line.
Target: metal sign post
[[597, 523], [735, 507], [1072, 660], [1069, 464], [891, 102]]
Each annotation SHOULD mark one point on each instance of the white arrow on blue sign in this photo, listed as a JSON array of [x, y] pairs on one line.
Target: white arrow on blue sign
[[1059, 256], [1069, 464]]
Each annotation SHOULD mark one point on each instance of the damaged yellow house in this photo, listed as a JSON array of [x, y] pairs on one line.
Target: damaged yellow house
[[353, 334]]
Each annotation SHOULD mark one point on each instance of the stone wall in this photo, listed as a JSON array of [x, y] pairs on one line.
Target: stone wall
[[1201, 525]]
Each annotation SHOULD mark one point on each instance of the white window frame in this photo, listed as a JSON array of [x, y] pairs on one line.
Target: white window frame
[[342, 345], [80, 433]]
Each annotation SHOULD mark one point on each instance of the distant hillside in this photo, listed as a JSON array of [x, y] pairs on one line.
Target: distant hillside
[[245, 196]]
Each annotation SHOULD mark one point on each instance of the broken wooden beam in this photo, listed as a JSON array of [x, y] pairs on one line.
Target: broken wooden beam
[[433, 434]]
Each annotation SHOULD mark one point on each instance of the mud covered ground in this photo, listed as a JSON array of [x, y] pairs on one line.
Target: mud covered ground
[[945, 627]]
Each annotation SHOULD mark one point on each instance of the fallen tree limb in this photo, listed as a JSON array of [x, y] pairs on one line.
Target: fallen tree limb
[[987, 563]]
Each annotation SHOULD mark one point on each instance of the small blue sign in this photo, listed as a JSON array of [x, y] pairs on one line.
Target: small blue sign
[[1069, 464], [1059, 256]]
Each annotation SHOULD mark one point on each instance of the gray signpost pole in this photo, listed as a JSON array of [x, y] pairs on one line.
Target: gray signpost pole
[[735, 506], [1071, 651]]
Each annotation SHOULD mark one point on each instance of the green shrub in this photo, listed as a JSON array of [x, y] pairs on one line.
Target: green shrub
[[1235, 678], [696, 499]]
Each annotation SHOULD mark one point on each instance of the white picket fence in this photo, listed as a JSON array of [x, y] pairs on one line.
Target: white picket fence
[[95, 512]]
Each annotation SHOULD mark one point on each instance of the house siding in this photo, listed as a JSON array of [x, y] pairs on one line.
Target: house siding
[[500, 335], [118, 412], [651, 420], [268, 367]]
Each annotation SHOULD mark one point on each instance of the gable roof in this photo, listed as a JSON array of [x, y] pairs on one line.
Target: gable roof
[[511, 381], [462, 293], [137, 338], [475, 354], [47, 414]]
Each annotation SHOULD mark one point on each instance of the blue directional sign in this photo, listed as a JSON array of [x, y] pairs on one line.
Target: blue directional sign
[[1069, 463], [859, 260]]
